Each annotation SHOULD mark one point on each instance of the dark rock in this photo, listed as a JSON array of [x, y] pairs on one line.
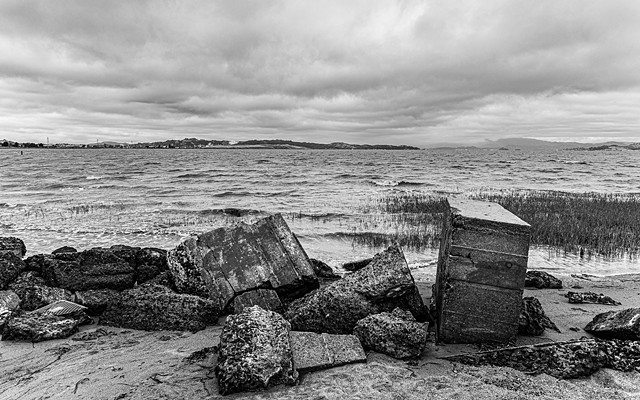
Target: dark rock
[[64, 249], [396, 334], [10, 267], [228, 261], [560, 360], [34, 293], [164, 279], [533, 320], [148, 262], [590, 297], [323, 270], [542, 280], [36, 327], [90, 269], [265, 298], [255, 352], [354, 266], [316, 351], [9, 244], [97, 300], [155, 307], [623, 324], [9, 303], [381, 286]]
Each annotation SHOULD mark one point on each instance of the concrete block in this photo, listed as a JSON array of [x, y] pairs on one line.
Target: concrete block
[[316, 351]]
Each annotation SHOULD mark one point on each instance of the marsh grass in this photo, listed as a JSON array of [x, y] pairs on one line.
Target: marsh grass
[[581, 223]]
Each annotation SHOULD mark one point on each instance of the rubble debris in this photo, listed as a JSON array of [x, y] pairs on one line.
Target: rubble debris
[[228, 261], [316, 351], [542, 280], [590, 297], [322, 270], [396, 334], [563, 360], [622, 324], [533, 321], [154, 307], [9, 303], [255, 352], [353, 266], [481, 271], [10, 244], [90, 269], [265, 298], [386, 283], [34, 293], [10, 267]]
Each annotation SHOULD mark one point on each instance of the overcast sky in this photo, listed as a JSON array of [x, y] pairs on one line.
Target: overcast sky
[[411, 72]]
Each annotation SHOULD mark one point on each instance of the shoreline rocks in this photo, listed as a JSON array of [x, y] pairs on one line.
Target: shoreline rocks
[[396, 334]]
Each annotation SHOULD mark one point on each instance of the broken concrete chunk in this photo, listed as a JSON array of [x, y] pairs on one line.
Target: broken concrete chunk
[[40, 326], [228, 261], [590, 297], [91, 269], [265, 298], [255, 352], [10, 267], [533, 321], [396, 334], [542, 280], [383, 285], [481, 271], [154, 307], [623, 324], [315, 351], [33, 292], [10, 244]]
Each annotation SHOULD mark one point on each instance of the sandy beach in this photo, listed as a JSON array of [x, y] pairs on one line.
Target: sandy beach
[[103, 362]]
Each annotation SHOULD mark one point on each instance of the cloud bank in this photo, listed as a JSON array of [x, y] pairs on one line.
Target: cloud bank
[[411, 72]]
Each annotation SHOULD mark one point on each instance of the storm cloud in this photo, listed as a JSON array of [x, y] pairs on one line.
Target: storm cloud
[[412, 72]]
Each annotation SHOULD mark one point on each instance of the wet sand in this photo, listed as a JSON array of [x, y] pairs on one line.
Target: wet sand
[[129, 364]]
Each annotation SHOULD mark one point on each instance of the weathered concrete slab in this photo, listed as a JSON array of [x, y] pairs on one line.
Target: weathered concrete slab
[[255, 352], [265, 298], [396, 334], [384, 284], [315, 351], [228, 261], [10, 244], [481, 271], [623, 324]]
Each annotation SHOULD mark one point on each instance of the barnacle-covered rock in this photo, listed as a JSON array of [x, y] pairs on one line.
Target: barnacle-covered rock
[[396, 334]]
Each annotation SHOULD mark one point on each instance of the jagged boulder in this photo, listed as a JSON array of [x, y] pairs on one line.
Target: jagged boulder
[[10, 267], [148, 262], [228, 261], [9, 303], [622, 324], [265, 298], [154, 307], [255, 352], [10, 244], [64, 249], [542, 280], [90, 269], [34, 293], [533, 320], [40, 326], [396, 334], [97, 300], [384, 284]]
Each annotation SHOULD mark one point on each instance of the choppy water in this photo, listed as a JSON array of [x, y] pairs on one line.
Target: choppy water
[[88, 198]]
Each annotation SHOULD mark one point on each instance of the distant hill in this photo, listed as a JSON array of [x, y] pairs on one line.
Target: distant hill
[[528, 144], [190, 143]]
